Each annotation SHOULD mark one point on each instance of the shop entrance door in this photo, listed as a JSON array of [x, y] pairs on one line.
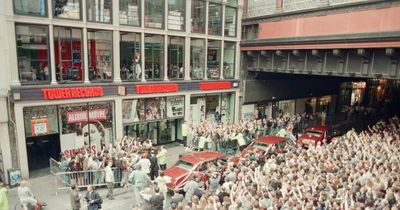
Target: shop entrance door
[[40, 149]]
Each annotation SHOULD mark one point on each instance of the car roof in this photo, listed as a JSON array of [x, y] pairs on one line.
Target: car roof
[[270, 140], [197, 157], [318, 128]]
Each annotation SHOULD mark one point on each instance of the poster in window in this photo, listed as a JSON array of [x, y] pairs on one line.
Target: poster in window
[[129, 111], [175, 107], [39, 126], [155, 108]]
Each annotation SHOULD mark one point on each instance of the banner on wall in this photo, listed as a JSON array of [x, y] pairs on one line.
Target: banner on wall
[[82, 116], [175, 107], [129, 113], [39, 126]]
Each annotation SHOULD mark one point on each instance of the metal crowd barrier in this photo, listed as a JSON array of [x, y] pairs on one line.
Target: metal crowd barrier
[[81, 179]]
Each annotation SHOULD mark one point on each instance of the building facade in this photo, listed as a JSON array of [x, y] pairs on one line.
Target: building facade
[[331, 52], [91, 72]]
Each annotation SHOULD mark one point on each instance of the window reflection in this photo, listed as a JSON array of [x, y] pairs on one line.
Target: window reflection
[[32, 53], [215, 19], [230, 21], [197, 58], [68, 54], [153, 13], [70, 9], [129, 12], [213, 59], [229, 59], [176, 47], [130, 63], [198, 16], [99, 10], [100, 55], [176, 14], [30, 7], [154, 56]]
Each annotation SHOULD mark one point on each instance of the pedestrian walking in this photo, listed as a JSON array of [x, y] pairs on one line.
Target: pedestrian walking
[[93, 199], [75, 198], [140, 181], [157, 200], [3, 196], [109, 180], [162, 158], [27, 198], [162, 181], [153, 165]]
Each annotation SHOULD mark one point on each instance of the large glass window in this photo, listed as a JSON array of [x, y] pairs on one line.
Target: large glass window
[[40, 120], [100, 55], [68, 54], [229, 59], [99, 10], [198, 16], [129, 12], [213, 111], [232, 2], [69, 9], [154, 56], [155, 108], [215, 19], [33, 53], [176, 15], [30, 7], [197, 58], [130, 56], [176, 46], [154, 13], [213, 59], [230, 21]]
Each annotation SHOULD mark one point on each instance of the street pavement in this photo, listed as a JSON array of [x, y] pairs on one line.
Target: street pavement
[[44, 188]]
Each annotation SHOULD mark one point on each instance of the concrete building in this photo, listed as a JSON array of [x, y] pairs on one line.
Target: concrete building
[[315, 55], [78, 73]]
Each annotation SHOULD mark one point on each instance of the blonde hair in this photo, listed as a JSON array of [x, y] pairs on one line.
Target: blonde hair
[[23, 183]]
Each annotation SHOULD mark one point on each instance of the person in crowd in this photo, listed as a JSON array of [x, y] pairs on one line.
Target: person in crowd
[[3, 196], [161, 182], [162, 158], [140, 181], [153, 165], [27, 198], [157, 200], [109, 178], [75, 198], [93, 199]]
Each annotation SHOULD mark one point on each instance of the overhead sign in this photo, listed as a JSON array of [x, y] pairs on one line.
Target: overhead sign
[[215, 85], [67, 93], [157, 88]]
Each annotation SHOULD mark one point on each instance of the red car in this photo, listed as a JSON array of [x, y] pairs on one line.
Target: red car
[[192, 163], [260, 144], [314, 134]]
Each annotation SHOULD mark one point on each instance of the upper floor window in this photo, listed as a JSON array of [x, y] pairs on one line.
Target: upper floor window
[[154, 57], [33, 53], [99, 10], [176, 15], [68, 54], [215, 19], [176, 46], [129, 12], [30, 7], [100, 55], [130, 59], [69, 9], [230, 21], [229, 60], [154, 13], [197, 58], [232, 2], [213, 59], [198, 16], [250, 31]]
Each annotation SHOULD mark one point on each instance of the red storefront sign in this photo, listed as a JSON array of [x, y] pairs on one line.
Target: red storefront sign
[[66, 93], [215, 85], [160, 88], [82, 116]]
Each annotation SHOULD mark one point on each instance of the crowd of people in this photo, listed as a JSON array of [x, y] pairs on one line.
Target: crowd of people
[[355, 171]]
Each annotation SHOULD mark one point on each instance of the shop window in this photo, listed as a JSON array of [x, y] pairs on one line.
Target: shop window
[[100, 55], [250, 31], [197, 112], [198, 16], [230, 21], [213, 111], [176, 46], [155, 108], [69, 9], [213, 59], [86, 125], [197, 58], [132, 111], [215, 19], [229, 60], [130, 63], [99, 10], [68, 54], [227, 107], [32, 53], [154, 57], [154, 13], [175, 107], [30, 7], [40, 120], [129, 12], [176, 15]]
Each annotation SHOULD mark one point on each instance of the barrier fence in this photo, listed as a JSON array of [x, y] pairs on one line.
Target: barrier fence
[[96, 178]]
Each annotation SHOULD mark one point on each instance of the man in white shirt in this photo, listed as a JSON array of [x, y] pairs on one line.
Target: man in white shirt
[[145, 164]]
